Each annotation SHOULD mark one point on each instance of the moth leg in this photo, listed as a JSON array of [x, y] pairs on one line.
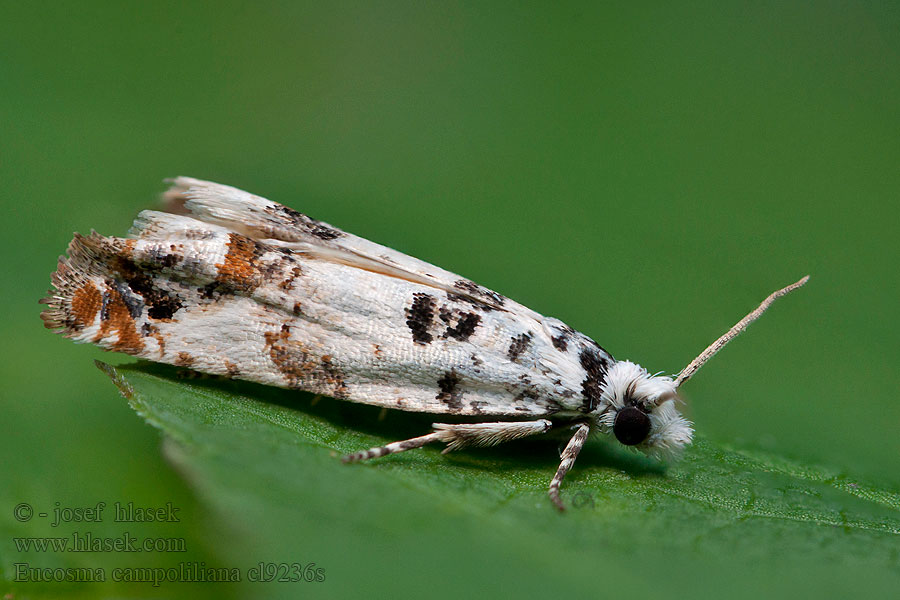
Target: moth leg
[[459, 436], [568, 457], [392, 448], [487, 434]]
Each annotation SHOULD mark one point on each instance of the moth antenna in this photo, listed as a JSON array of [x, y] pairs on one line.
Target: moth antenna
[[739, 327]]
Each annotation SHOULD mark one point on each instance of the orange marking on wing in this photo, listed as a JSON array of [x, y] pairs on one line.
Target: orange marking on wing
[[86, 302], [240, 269]]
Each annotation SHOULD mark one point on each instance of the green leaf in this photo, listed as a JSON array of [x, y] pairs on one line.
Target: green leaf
[[266, 461]]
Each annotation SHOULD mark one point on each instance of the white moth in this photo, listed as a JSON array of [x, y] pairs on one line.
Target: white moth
[[231, 284]]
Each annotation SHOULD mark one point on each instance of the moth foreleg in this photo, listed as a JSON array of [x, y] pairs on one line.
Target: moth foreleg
[[568, 457], [458, 436]]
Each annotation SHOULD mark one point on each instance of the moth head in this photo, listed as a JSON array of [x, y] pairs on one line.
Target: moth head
[[640, 410]]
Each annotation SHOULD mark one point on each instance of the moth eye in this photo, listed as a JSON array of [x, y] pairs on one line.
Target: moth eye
[[631, 426]]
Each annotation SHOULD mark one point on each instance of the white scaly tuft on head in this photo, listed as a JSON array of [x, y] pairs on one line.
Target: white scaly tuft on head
[[641, 410]]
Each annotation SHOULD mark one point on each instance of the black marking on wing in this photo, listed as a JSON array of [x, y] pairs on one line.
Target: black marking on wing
[[563, 337], [450, 394], [312, 226], [595, 367], [419, 317], [160, 303], [518, 345], [460, 325], [476, 405], [159, 259], [478, 291], [560, 342], [212, 290]]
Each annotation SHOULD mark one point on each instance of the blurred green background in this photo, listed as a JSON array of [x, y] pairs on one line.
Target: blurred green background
[[645, 173]]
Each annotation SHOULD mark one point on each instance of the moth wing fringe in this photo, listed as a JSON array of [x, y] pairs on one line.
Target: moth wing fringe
[[87, 260]]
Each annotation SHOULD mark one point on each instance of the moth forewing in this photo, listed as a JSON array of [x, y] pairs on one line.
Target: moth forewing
[[232, 284]]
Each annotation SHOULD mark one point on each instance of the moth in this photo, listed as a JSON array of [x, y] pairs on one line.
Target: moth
[[232, 284]]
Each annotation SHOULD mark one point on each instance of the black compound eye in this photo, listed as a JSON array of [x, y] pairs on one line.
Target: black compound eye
[[632, 426]]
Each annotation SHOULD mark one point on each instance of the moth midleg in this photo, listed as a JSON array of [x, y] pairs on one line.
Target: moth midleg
[[458, 436], [568, 456]]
